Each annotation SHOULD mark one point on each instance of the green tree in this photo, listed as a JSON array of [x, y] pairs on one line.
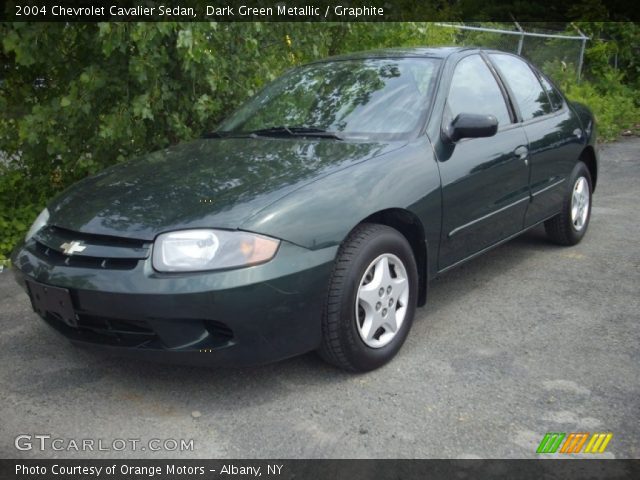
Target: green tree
[[75, 98]]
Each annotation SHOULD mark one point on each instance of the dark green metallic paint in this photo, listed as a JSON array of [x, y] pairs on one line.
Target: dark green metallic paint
[[322, 213], [258, 304], [204, 183], [461, 198], [482, 177]]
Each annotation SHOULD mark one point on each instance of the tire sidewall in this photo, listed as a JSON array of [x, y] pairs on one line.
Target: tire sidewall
[[361, 355]]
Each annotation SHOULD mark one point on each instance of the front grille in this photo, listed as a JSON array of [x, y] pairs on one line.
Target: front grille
[[151, 334], [113, 326], [92, 238], [56, 258], [94, 329], [97, 251]]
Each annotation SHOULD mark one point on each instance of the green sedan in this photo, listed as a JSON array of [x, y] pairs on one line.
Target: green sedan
[[315, 216]]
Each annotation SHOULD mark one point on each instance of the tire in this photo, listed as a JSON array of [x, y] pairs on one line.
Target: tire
[[353, 337], [567, 228]]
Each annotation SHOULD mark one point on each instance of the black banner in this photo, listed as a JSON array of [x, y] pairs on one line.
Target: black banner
[[315, 10], [319, 469]]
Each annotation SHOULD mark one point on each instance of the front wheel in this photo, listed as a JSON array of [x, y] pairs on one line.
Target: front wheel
[[372, 299], [570, 225]]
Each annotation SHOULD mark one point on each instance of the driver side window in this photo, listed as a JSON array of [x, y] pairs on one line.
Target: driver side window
[[474, 90]]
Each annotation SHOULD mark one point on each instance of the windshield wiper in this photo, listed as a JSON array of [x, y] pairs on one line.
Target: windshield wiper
[[296, 132]]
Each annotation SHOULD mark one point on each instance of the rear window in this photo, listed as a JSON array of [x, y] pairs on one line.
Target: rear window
[[554, 95]]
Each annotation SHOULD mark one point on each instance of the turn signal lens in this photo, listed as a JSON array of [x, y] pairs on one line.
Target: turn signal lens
[[259, 249]]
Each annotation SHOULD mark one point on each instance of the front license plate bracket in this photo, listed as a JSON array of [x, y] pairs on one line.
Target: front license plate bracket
[[55, 300]]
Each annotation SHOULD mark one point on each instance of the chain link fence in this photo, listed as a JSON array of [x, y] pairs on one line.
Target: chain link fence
[[550, 50]]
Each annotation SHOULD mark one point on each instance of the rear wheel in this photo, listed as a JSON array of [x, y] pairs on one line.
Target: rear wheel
[[372, 299], [570, 225]]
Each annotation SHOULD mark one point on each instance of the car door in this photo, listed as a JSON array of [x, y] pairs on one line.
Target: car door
[[552, 129], [485, 181]]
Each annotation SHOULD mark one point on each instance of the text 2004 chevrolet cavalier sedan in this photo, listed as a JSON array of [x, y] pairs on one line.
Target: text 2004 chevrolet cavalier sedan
[[314, 217]]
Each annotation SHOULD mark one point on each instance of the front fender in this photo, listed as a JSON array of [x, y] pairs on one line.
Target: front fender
[[322, 213]]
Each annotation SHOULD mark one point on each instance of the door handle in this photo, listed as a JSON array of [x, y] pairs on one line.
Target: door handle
[[522, 152]]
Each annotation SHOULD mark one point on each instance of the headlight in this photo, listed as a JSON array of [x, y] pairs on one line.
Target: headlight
[[196, 250], [40, 221]]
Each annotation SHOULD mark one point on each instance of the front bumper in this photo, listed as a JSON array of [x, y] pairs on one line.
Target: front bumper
[[237, 317]]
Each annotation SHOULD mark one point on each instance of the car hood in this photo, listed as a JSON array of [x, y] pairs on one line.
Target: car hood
[[211, 183]]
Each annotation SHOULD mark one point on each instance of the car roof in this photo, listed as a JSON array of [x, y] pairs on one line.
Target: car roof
[[432, 52]]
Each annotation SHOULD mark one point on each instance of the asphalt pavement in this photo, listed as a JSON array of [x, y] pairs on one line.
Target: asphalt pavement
[[528, 339]]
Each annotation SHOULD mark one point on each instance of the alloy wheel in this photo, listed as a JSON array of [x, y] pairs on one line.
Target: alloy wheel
[[580, 204], [381, 303]]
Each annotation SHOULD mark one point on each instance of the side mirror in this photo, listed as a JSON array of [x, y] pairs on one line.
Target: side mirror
[[471, 125]]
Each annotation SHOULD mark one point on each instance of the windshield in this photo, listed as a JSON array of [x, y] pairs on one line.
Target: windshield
[[366, 98]]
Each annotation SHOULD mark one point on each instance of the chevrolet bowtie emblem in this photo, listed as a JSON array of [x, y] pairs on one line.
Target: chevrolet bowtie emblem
[[69, 248]]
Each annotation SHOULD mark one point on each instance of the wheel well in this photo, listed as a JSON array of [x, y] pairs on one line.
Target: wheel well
[[588, 156], [409, 225]]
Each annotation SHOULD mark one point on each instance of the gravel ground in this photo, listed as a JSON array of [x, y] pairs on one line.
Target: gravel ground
[[528, 339]]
